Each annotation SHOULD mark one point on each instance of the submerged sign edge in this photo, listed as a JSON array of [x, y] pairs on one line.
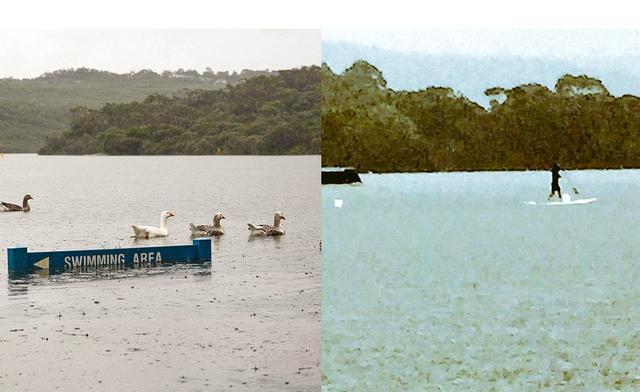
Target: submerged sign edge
[[19, 259]]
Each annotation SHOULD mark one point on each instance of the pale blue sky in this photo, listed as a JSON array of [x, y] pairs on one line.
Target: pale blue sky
[[470, 61], [560, 44]]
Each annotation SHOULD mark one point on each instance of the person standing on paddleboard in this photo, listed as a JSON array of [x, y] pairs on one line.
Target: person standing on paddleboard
[[555, 181]]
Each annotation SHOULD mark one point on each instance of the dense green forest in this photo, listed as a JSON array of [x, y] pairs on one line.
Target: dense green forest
[[373, 128], [31, 109], [265, 115]]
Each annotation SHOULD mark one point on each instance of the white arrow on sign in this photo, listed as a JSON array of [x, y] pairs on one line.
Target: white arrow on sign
[[44, 263]]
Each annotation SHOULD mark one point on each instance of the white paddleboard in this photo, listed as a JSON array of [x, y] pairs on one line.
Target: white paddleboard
[[563, 203]]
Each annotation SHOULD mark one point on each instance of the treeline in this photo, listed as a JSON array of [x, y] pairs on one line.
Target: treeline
[[264, 115], [31, 109], [373, 128], [220, 78]]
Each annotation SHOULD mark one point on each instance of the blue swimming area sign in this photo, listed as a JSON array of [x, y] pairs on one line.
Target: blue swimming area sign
[[22, 260]]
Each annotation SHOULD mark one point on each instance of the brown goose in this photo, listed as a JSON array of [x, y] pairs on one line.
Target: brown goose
[[15, 207], [216, 229], [264, 229]]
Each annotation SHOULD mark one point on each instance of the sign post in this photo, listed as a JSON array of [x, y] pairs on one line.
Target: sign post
[[22, 260]]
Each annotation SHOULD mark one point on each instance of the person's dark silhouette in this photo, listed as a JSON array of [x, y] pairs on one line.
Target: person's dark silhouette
[[555, 181]]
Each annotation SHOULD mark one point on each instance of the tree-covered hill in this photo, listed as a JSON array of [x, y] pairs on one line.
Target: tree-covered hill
[[31, 109], [266, 115], [373, 128]]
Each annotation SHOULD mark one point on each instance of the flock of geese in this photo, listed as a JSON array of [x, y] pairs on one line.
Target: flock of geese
[[208, 230], [196, 230]]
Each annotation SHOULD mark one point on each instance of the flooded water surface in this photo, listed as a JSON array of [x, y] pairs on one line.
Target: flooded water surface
[[247, 320], [452, 281]]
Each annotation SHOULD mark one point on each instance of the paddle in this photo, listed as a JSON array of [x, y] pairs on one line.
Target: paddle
[[575, 190]]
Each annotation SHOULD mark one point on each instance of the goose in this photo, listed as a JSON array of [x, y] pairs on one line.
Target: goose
[[15, 207], [150, 231], [264, 229], [208, 230]]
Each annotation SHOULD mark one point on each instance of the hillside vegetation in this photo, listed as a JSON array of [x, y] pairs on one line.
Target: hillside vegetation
[[32, 109], [265, 115], [579, 124]]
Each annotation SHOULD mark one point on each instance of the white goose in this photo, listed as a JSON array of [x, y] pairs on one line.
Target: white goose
[[265, 229], [150, 231], [208, 230]]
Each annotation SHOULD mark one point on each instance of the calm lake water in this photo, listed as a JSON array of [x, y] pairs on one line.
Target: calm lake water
[[247, 320], [450, 281]]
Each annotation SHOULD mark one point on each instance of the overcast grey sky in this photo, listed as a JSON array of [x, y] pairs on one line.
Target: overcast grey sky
[[30, 53]]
